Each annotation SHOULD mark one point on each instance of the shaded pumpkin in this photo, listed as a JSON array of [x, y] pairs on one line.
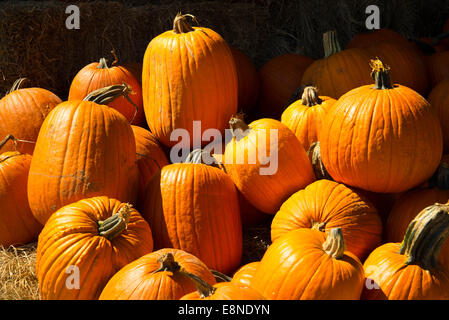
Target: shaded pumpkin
[[371, 133], [437, 67], [188, 75], [22, 112], [159, 275], [135, 68], [439, 100], [249, 214], [95, 238], [84, 149], [376, 37], [409, 270], [324, 205]]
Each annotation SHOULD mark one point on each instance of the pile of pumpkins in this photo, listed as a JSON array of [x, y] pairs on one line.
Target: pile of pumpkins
[[358, 200]]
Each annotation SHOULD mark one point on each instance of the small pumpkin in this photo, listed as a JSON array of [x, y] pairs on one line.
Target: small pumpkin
[[85, 243], [164, 274], [409, 270], [245, 274], [438, 99]]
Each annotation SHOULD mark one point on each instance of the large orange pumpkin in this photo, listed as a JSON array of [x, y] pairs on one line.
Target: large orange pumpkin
[[85, 243], [266, 162], [22, 112], [245, 274], [439, 100], [306, 264], [384, 138], [160, 275], [324, 205], [409, 270], [84, 149], [98, 75], [188, 75]]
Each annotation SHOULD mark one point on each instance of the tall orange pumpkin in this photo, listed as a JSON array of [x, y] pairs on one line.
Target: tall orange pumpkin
[[84, 149], [188, 75], [22, 112], [384, 138], [439, 100], [85, 243]]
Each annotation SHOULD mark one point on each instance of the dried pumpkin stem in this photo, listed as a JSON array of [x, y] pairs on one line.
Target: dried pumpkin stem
[[380, 75], [314, 154], [10, 137], [310, 97], [221, 277], [114, 225], [238, 126], [102, 64], [319, 226], [330, 43], [425, 236], [335, 244], [180, 24], [17, 84], [115, 57], [201, 156]]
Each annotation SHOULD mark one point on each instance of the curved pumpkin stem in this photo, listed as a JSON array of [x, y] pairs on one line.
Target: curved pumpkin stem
[[330, 43], [380, 75], [335, 244], [10, 137], [220, 277], [115, 57], [201, 156], [238, 126], [114, 225], [426, 235], [310, 97], [314, 154], [180, 24], [17, 84], [102, 64], [440, 179]]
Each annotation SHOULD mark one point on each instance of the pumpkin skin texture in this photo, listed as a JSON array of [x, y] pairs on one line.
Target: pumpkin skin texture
[[410, 270], [324, 205], [279, 78], [17, 224], [244, 275], [381, 140], [83, 150], [375, 38], [266, 186], [304, 117], [194, 207], [98, 75], [226, 291], [143, 280], [438, 99], [296, 267], [437, 67], [22, 113], [188, 75], [72, 237]]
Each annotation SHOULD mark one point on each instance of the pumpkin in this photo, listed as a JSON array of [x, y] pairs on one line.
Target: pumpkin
[[438, 99], [266, 162], [409, 270], [324, 205], [135, 68], [17, 224], [160, 275], [314, 154], [437, 67], [98, 75], [244, 275], [188, 75], [248, 81], [384, 139], [22, 112], [304, 116], [279, 78], [306, 264], [376, 37], [85, 243], [194, 207], [84, 149], [339, 71]]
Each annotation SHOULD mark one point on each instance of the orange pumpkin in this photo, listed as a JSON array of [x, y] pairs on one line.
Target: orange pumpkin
[[306, 264], [245, 274], [384, 139], [159, 275], [266, 162], [22, 112], [409, 270], [437, 67], [439, 100], [98, 75], [376, 37], [324, 205], [222, 291], [85, 243], [188, 75]]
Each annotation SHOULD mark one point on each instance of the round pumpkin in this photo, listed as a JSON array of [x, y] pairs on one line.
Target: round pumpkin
[[188, 75], [160, 275], [324, 205], [304, 117], [376, 37], [384, 138], [22, 112], [266, 162], [245, 274], [85, 243], [280, 77], [437, 67], [409, 270], [84, 149], [439, 100], [306, 264], [98, 75]]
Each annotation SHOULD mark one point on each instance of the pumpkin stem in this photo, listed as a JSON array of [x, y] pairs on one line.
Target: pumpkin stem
[[220, 277], [380, 75], [14, 140], [180, 24], [17, 84], [310, 97], [103, 64], [335, 243], [330, 43], [238, 126], [114, 225], [319, 226], [440, 179], [314, 154], [115, 58], [201, 156], [425, 236], [168, 263]]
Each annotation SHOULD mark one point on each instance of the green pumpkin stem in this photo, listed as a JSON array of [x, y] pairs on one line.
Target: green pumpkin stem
[[330, 43], [17, 84], [103, 64], [310, 97], [425, 236], [116, 224], [221, 277], [380, 75], [180, 24], [335, 244]]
